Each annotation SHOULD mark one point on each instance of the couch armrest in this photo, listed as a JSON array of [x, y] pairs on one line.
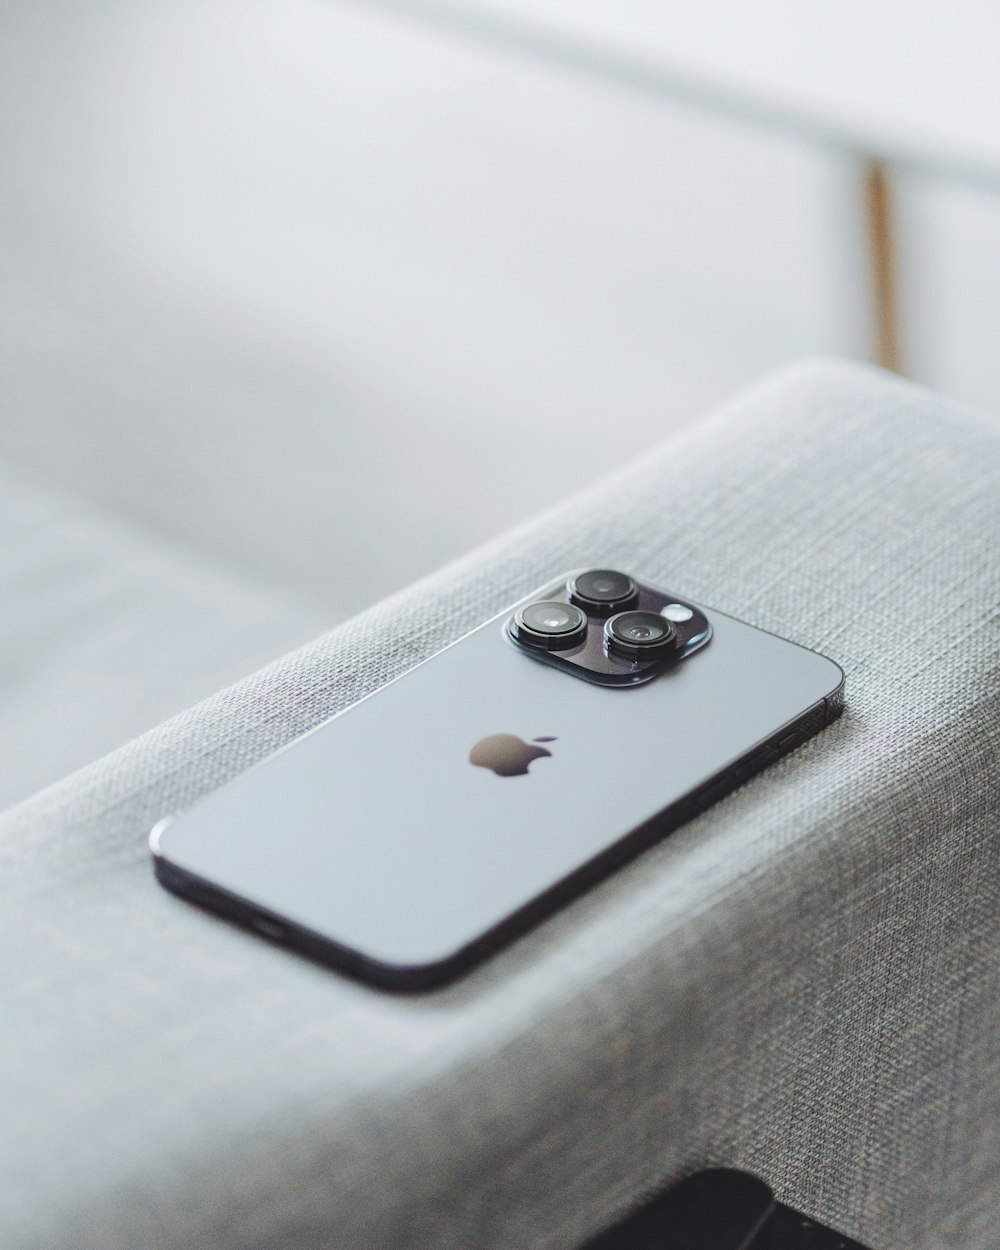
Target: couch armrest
[[801, 982]]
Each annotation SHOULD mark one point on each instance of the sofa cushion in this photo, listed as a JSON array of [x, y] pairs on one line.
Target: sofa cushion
[[105, 630], [801, 982]]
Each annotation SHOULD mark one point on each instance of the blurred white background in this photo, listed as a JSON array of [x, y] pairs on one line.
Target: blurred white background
[[336, 295], [325, 294]]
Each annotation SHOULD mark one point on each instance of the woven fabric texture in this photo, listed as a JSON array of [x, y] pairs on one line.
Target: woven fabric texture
[[802, 982]]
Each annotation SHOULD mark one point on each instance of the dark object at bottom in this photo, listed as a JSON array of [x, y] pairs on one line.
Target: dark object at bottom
[[788, 1230], [720, 1209]]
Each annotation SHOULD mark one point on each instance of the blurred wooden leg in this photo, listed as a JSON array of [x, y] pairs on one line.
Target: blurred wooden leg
[[880, 228]]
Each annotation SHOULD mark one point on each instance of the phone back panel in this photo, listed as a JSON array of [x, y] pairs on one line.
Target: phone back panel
[[376, 833]]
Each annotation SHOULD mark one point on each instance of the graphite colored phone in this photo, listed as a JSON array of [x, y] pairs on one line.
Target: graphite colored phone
[[414, 832]]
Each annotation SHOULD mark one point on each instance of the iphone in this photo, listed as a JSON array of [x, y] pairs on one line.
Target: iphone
[[410, 835]]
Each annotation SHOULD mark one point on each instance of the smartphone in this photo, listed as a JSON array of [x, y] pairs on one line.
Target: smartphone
[[411, 834]]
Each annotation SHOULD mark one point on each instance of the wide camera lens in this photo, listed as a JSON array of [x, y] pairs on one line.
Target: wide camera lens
[[640, 636], [603, 591], [551, 626]]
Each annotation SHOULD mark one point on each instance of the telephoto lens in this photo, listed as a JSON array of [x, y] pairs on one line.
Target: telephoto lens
[[603, 591], [549, 626], [640, 636]]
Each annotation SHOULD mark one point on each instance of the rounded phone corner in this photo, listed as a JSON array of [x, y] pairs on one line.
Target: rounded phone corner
[[156, 835], [418, 977], [835, 695], [834, 701], [831, 678]]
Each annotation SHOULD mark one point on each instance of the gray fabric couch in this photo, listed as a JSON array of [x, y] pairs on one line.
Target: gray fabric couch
[[802, 982]]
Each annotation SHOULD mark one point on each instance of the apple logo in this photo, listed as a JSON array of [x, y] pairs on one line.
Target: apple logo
[[506, 754]]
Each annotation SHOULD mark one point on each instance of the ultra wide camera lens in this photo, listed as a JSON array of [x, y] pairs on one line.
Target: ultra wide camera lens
[[603, 591], [550, 625], [640, 636]]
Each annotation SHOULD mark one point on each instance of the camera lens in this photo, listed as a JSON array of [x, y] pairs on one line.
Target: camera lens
[[550, 625], [603, 591], [640, 636]]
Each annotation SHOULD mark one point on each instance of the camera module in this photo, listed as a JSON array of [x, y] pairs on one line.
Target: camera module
[[640, 636], [549, 625], [603, 591]]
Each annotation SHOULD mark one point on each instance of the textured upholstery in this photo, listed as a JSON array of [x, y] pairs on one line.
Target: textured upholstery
[[802, 982]]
